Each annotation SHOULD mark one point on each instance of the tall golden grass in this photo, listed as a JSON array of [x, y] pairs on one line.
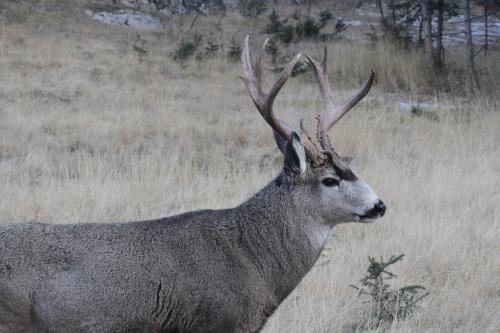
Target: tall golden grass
[[89, 132]]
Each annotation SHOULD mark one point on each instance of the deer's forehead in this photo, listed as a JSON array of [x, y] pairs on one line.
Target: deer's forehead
[[345, 173], [319, 172], [331, 169]]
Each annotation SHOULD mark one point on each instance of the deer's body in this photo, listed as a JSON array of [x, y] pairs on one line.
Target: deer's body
[[199, 272], [152, 276]]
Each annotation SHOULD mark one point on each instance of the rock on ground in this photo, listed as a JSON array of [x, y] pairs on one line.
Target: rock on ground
[[127, 17]]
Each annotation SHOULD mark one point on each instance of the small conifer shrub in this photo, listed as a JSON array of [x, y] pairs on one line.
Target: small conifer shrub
[[234, 51], [388, 305], [187, 48]]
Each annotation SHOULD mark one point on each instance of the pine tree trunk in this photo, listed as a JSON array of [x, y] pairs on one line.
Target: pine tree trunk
[[381, 10], [427, 26], [439, 52], [393, 14], [420, 27], [485, 29], [469, 47]]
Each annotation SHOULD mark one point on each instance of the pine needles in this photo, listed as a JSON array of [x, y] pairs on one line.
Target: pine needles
[[388, 305]]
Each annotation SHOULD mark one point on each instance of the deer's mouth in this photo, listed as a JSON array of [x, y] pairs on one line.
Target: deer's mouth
[[370, 217], [366, 219]]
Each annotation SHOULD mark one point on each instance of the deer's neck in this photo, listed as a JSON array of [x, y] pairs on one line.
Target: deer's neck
[[282, 239]]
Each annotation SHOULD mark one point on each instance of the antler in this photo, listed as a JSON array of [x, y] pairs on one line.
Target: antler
[[333, 112], [264, 102]]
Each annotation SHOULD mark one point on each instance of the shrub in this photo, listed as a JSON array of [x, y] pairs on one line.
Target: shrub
[[387, 304], [308, 28], [274, 25], [339, 26], [286, 34], [187, 48], [212, 48], [234, 51], [139, 48], [277, 27], [325, 16], [252, 8], [273, 50]]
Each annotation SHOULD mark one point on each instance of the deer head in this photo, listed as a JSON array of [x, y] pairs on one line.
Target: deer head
[[320, 180]]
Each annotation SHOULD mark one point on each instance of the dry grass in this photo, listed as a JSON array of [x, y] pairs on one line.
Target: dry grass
[[88, 133]]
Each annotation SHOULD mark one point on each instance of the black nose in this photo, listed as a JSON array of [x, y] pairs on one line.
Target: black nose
[[378, 209]]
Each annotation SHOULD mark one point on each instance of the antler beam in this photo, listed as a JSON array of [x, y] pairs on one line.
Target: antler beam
[[264, 102], [333, 112]]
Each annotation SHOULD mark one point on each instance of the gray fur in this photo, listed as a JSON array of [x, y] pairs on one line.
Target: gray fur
[[204, 271]]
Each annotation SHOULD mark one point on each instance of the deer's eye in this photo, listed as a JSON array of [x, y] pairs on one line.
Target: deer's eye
[[330, 182]]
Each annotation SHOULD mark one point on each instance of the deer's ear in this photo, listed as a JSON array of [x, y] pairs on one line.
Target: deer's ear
[[295, 156], [280, 142]]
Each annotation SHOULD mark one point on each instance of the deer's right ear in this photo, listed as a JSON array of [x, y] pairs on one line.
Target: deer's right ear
[[295, 156]]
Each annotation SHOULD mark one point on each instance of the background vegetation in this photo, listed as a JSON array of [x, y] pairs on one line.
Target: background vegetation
[[104, 123]]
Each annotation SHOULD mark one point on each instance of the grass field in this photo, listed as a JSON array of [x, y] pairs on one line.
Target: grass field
[[92, 132]]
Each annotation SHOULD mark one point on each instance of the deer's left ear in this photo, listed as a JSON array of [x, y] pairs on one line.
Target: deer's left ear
[[280, 142], [295, 156]]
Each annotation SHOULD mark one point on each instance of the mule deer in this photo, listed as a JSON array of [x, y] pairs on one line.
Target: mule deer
[[204, 271]]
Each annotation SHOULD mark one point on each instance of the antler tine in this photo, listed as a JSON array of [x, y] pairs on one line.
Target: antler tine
[[285, 74], [354, 99], [262, 62], [332, 112], [321, 73], [263, 101], [247, 74]]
